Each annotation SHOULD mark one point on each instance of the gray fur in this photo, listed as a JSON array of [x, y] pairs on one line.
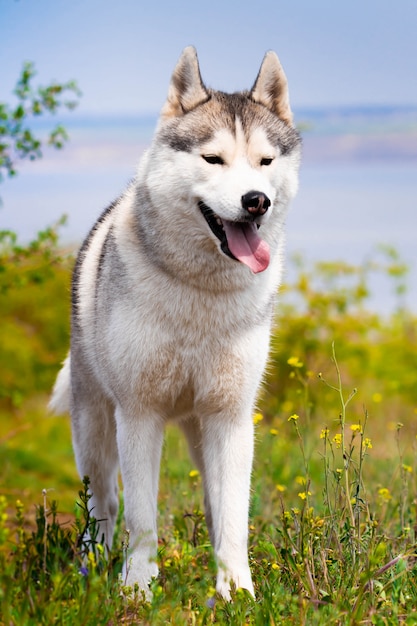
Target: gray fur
[[172, 310]]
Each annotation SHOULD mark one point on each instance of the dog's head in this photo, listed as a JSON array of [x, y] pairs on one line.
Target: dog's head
[[236, 155]]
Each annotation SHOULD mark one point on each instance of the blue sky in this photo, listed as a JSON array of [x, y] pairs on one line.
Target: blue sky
[[122, 52]]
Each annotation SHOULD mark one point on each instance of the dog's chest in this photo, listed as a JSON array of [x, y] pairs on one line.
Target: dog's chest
[[179, 355], [178, 379]]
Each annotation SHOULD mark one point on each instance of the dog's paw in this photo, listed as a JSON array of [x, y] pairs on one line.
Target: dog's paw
[[137, 575], [226, 581]]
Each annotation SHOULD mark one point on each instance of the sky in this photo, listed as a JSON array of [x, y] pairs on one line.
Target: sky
[[336, 53], [122, 53]]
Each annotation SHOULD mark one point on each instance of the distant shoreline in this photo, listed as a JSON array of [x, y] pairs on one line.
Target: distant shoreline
[[342, 135]]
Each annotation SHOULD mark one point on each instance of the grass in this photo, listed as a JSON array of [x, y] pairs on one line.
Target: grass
[[333, 513]]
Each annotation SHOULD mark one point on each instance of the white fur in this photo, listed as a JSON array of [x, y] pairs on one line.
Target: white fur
[[175, 329]]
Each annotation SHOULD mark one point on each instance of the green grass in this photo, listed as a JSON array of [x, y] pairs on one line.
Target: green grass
[[332, 520]]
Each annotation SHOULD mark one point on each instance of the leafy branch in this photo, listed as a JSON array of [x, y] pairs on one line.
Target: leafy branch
[[17, 140]]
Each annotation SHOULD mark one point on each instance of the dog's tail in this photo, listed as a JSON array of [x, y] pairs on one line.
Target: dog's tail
[[60, 399]]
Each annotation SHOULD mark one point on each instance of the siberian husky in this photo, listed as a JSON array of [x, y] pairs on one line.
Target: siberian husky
[[172, 302]]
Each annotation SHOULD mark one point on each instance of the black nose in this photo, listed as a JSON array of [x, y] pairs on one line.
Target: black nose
[[256, 203]]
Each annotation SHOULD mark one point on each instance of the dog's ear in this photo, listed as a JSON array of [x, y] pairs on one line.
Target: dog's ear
[[186, 90], [271, 88]]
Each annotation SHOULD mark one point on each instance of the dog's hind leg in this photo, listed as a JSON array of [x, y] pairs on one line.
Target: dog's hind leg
[[193, 432], [95, 447], [139, 439]]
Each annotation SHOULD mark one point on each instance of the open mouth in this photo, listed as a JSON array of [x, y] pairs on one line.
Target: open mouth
[[216, 226], [238, 240]]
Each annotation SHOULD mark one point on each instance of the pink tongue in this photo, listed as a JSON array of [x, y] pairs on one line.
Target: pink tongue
[[246, 246]]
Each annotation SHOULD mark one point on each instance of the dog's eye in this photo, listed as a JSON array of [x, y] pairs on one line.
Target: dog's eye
[[266, 161], [213, 159]]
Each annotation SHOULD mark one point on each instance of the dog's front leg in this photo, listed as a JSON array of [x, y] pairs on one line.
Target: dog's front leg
[[228, 453], [140, 442]]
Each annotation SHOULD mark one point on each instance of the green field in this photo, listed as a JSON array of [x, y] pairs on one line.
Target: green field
[[333, 516]]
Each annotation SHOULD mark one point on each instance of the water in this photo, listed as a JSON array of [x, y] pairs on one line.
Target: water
[[345, 207]]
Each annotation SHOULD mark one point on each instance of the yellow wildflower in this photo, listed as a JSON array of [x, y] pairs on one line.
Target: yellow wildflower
[[337, 440], [367, 444], [357, 428], [407, 468], [324, 433], [281, 488], [287, 406], [194, 473], [293, 418], [294, 361], [273, 431], [258, 417], [303, 494], [384, 494]]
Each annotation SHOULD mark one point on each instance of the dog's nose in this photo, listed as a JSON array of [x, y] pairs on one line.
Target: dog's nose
[[256, 203]]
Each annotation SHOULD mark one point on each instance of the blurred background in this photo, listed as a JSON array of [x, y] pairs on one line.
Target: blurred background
[[353, 87], [349, 297]]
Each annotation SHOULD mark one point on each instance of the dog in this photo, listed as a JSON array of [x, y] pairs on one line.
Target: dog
[[173, 295]]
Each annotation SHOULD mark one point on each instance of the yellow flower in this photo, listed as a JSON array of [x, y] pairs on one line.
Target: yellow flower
[[407, 468], [300, 480], [273, 431], [293, 418], [384, 494], [337, 440], [275, 566], [357, 428], [294, 361], [258, 417], [303, 494], [194, 473], [287, 406], [367, 443], [324, 433], [281, 488]]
